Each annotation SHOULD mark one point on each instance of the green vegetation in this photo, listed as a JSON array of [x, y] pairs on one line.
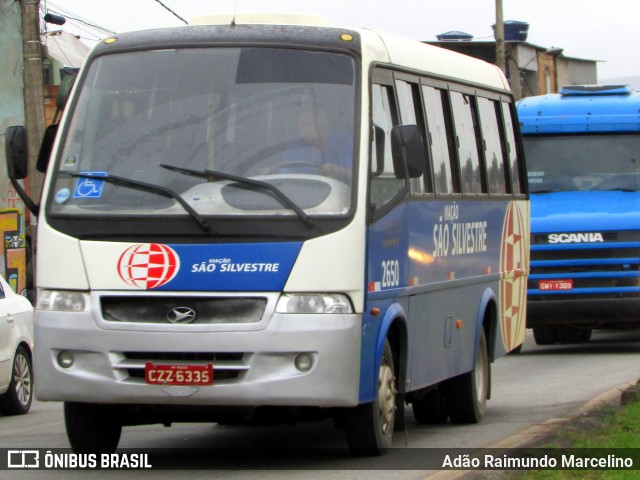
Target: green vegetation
[[605, 428]]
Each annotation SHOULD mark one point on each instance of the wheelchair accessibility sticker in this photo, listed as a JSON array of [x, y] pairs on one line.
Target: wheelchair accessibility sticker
[[89, 187]]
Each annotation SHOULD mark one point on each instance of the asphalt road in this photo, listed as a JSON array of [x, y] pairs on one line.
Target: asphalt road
[[539, 386]]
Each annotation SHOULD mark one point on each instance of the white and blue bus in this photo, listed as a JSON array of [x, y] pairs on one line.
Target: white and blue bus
[[583, 151], [242, 218]]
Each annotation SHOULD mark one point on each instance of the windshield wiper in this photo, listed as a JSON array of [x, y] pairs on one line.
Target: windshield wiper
[[149, 187], [212, 175]]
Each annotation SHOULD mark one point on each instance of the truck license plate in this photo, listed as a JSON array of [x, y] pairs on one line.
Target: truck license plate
[[555, 284], [178, 374]]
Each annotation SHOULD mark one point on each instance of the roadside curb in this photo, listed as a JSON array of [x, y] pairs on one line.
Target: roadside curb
[[621, 395]]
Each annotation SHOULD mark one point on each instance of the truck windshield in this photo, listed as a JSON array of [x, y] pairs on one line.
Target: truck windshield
[[583, 162], [281, 116]]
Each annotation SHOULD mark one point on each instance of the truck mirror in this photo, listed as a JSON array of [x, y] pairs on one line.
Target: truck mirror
[[46, 147], [64, 90]]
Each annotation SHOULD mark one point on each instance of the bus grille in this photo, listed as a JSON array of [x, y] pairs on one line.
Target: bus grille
[[204, 310]]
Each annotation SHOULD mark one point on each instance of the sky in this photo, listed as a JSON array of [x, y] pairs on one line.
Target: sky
[[586, 29]]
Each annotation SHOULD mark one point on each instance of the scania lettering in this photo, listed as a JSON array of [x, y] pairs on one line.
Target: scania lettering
[[582, 148], [245, 221], [575, 237]]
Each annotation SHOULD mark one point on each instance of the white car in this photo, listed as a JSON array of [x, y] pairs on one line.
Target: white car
[[16, 347]]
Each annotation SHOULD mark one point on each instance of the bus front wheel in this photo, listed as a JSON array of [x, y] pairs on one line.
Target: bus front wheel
[[370, 426], [92, 428], [467, 393]]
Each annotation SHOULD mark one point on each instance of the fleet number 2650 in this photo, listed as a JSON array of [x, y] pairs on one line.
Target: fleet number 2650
[[390, 273]]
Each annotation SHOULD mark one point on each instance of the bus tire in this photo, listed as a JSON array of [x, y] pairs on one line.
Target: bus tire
[[369, 427], [92, 428], [431, 408], [467, 393]]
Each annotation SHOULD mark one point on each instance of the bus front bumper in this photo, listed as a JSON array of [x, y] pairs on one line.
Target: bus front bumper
[[250, 368]]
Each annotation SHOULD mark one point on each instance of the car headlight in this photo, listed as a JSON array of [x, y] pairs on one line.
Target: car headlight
[[63, 301], [314, 303]]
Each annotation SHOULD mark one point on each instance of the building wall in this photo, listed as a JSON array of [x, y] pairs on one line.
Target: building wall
[[12, 210], [530, 70], [573, 71]]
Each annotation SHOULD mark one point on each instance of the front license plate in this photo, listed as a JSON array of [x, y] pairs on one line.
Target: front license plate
[[178, 374], [556, 284]]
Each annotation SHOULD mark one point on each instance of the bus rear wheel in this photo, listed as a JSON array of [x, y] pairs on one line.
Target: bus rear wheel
[[370, 426], [92, 428], [467, 393], [431, 408]]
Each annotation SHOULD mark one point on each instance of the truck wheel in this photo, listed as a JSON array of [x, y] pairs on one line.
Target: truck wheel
[[568, 334], [17, 399], [545, 335], [369, 427], [467, 393], [92, 428], [586, 335], [431, 408]]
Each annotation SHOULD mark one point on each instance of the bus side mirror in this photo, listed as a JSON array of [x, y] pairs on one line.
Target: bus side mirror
[[46, 147], [409, 157], [18, 163], [16, 152]]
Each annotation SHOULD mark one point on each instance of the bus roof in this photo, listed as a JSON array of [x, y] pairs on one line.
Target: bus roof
[[439, 61], [377, 46], [581, 109]]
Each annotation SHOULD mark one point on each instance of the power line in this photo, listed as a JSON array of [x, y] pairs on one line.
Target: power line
[[174, 13], [80, 22], [84, 24]]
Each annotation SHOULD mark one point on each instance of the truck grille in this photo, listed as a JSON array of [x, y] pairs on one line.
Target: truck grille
[[610, 269]]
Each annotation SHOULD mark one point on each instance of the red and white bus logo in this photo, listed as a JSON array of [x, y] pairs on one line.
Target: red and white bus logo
[[148, 265], [514, 268]]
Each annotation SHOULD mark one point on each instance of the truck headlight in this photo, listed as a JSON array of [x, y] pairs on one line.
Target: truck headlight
[[63, 301], [314, 303]]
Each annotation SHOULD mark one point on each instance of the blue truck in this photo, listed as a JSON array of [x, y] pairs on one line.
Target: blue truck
[[582, 148]]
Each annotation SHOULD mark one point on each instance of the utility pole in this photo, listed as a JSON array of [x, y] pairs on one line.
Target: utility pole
[[33, 93], [499, 34], [33, 117]]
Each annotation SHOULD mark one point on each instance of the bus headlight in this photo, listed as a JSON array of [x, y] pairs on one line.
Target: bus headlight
[[63, 301], [314, 303]]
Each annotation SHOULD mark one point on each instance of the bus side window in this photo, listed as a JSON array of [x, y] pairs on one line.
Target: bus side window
[[411, 114], [384, 184], [493, 145], [466, 136], [512, 150], [439, 135]]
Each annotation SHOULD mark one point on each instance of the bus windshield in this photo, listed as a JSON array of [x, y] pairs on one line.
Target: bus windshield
[[583, 162], [173, 118]]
